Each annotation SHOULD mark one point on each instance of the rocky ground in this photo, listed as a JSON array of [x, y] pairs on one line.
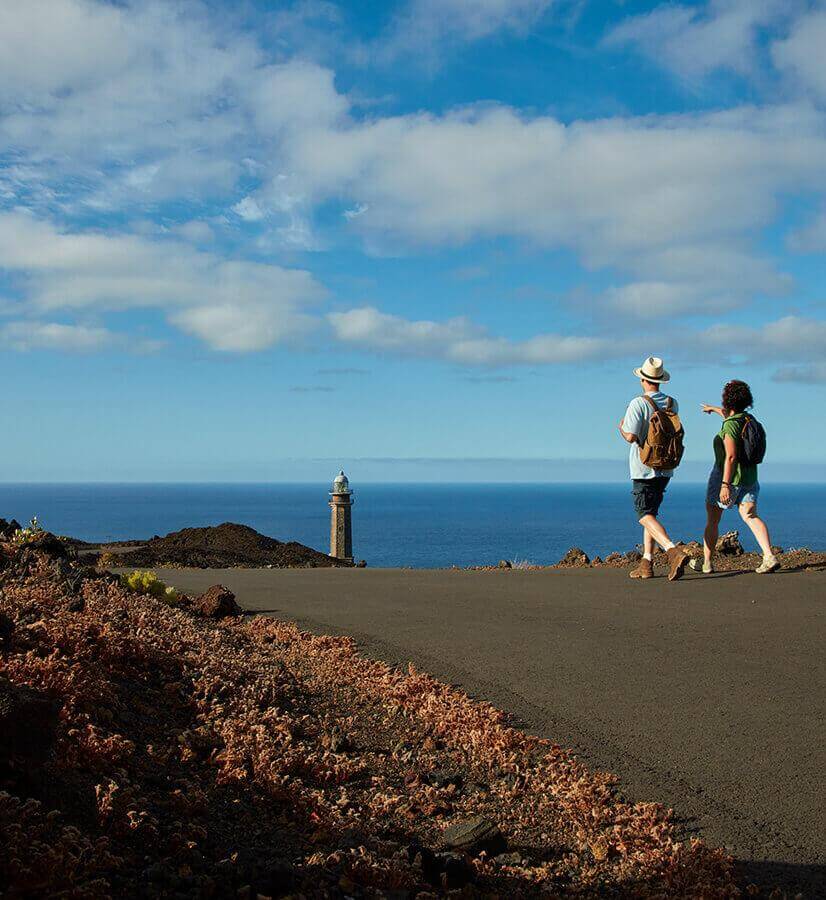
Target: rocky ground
[[173, 748], [730, 557], [215, 547]]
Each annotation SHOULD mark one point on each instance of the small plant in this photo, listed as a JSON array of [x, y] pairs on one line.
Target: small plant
[[523, 564], [29, 533], [107, 560], [148, 583]]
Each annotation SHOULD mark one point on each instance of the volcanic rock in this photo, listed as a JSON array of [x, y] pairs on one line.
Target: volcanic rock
[[27, 721], [575, 557], [474, 836], [728, 544], [217, 602], [8, 529], [222, 546]]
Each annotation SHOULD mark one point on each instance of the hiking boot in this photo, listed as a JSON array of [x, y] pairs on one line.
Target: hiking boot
[[770, 564], [700, 565], [644, 570], [677, 560]]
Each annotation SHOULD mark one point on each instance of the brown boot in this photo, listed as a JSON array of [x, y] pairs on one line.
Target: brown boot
[[644, 570], [677, 561]]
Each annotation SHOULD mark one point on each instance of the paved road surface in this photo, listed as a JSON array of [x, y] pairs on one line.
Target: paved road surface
[[707, 694]]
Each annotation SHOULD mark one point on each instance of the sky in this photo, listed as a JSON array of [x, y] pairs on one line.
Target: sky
[[421, 239]]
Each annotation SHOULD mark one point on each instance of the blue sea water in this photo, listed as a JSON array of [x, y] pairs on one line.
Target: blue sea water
[[423, 525]]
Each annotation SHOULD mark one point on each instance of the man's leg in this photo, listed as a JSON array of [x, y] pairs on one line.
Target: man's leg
[[649, 546], [645, 569], [677, 557], [655, 532]]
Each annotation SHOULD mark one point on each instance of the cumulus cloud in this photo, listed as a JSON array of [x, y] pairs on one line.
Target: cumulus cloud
[[810, 238], [426, 25], [791, 337], [114, 106], [800, 55], [26, 335], [167, 105], [814, 373], [231, 305], [671, 200], [693, 41], [456, 340]]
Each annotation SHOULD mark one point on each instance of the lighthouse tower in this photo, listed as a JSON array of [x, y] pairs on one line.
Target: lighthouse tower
[[341, 519]]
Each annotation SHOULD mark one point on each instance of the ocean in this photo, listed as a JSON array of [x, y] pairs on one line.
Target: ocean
[[417, 525]]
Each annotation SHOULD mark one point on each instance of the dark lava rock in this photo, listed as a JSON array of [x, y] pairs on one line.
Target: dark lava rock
[[223, 546], [457, 870], [728, 544], [27, 721], [505, 564], [474, 836], [50, 544], [575, 557], [6, 629], [8, 529], [443, 778], [216, 602]]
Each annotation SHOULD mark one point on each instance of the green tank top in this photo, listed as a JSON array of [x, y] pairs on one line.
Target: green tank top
[[733, 427]]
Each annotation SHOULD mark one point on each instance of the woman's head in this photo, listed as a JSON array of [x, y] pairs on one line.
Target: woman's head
[[737, 396]]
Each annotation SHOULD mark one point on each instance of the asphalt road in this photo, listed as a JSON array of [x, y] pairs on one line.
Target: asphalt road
[[708, 695]]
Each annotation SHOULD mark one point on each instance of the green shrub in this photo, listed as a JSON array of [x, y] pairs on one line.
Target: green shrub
[[148, 583], [25, 535]]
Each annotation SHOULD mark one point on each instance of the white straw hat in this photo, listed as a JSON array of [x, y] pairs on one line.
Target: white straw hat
[[652, 370]]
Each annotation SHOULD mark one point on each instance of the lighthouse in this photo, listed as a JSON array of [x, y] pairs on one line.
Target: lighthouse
[[341, 519]]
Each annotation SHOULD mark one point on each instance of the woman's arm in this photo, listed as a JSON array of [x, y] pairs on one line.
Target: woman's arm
[[713, 409], [728, 469]]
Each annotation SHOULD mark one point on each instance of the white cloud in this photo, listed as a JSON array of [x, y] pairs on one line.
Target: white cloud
[[801, 53], [673, 200], [426, 24], [128, 105], [693, 42], [25, 335], [195, 231], [456, 340], [248, 210], [814, 373], [811, 238], [789, 338], [231, 305]]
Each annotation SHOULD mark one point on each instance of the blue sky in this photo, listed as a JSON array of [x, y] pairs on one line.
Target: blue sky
[[251, 241]]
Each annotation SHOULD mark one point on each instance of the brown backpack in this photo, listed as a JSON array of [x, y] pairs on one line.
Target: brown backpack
[[663, 445]]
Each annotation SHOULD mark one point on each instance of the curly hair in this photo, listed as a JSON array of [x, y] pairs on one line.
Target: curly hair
[[737, 396]]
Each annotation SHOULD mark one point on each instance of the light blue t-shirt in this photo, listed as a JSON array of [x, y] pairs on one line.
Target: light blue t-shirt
[[636, 420]]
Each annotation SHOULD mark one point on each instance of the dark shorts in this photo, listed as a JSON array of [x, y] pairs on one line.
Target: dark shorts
[[648, 494]]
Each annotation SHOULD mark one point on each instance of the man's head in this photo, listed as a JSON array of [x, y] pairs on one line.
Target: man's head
[[652, 374]]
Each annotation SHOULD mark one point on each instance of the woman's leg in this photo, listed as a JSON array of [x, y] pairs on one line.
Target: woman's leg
[[713, 515], [748, 512]]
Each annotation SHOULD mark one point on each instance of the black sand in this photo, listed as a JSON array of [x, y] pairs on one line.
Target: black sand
[[708, 695]]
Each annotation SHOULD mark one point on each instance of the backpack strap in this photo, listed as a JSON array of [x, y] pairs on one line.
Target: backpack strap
[[669, 402], [651, 403]]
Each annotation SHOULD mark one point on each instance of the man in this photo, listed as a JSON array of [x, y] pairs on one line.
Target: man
[[648, 485]]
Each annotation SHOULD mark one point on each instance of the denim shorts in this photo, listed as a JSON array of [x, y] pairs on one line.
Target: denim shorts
[[740, 493]]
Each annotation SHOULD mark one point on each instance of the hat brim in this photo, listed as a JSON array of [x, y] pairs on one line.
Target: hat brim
[[661, 380]]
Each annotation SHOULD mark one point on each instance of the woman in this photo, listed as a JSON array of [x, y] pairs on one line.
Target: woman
[[732, 482]]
